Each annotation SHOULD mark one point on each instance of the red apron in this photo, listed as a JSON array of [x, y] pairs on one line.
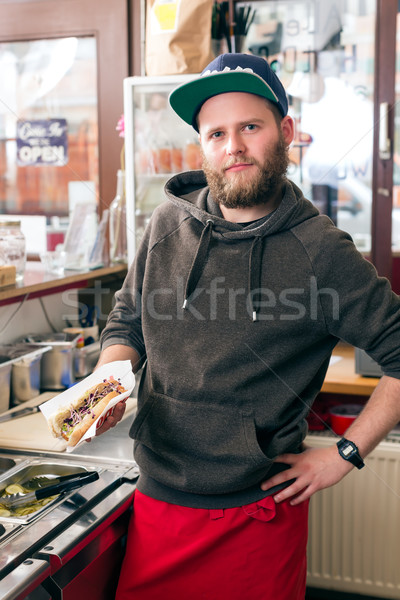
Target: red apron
[[254, 552]]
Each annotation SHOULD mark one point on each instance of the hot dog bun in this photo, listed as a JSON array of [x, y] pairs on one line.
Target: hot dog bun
[[73, 421], [80, 430]]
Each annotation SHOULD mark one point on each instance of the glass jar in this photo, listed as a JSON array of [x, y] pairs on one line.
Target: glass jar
[[118, 241], [13, 246]]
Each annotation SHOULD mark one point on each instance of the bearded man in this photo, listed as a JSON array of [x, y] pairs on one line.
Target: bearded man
[[238, 294]]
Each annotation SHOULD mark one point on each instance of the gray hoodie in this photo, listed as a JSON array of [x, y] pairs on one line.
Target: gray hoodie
[[235, 326]]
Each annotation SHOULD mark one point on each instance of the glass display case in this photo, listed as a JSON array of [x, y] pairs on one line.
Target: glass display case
[[157, 145]]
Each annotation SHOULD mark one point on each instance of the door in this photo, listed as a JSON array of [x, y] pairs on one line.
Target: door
[[62, 63]]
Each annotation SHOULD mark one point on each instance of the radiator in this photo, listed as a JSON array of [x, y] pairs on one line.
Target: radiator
[[354, 533]]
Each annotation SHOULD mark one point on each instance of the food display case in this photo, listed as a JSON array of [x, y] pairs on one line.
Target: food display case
[[157, 145]]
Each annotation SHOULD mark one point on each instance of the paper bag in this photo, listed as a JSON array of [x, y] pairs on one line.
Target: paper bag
[[178, 36]]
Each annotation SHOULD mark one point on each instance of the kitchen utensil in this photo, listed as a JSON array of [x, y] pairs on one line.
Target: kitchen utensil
[[46, 480], [69, 483], [19, 412], [90, 317]]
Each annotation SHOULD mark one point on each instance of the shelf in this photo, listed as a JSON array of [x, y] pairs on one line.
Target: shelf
[[39, 283]]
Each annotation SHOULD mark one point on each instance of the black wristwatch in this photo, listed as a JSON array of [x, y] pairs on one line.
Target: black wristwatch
[[349, 451]]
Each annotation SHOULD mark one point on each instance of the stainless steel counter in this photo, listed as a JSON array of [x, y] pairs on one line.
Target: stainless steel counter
[[57, 536], [113, 446]]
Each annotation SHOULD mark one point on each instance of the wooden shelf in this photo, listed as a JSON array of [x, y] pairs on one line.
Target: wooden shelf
[[341, 377], [39, 283]]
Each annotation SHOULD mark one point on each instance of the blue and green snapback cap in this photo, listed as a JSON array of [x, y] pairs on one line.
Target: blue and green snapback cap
[[228, 73]]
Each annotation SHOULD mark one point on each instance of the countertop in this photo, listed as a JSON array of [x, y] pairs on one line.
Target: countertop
[[342, 378], [31, 433], [115, 445]]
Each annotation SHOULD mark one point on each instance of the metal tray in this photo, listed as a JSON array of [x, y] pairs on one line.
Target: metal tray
[[6, 464], [23, 473]]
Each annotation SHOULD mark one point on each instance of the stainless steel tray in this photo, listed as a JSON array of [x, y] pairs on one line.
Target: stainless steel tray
[[36, 468]]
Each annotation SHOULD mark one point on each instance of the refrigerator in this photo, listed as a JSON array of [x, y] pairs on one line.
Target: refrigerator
[[158, 144]]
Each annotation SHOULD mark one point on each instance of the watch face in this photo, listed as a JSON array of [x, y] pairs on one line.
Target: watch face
[[348, 450]]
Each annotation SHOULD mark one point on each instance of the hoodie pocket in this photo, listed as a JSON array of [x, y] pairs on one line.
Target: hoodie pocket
[[197, 447]]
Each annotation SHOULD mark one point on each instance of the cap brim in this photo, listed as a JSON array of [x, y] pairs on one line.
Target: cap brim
[[187, 99]]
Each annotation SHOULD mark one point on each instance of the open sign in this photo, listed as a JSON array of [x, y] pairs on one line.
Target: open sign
[[42, 142]]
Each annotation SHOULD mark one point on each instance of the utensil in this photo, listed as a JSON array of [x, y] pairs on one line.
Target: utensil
[[69, 483], [40, 481], [19, 412]]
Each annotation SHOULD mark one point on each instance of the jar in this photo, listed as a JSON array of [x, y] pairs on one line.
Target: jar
[[13, 246], [118, 238]]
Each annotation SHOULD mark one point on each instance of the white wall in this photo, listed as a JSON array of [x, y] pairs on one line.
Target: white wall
[[18, 320]]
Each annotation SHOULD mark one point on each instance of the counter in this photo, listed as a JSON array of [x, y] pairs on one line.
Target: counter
[[37, 282], [74, 548], [115, 446], [31, 433], [341, 377]]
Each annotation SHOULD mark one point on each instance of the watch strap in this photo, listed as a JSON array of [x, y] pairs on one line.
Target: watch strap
[[349, 451]]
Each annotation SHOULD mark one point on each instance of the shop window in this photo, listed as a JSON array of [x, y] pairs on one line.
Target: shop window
[[48, 125]]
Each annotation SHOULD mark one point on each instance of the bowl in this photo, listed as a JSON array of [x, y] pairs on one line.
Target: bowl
[[341, 417]]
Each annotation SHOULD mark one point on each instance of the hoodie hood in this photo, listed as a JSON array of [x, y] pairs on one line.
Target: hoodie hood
[[189, 191]]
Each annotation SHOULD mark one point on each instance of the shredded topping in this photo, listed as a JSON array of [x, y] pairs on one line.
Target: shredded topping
[[77, 414]]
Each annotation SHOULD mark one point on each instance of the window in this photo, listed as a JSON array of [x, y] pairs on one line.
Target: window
[[48, 125]]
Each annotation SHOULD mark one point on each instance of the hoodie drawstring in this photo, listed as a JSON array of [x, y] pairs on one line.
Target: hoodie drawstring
[[254, 277], [255, 261], [198, 262]]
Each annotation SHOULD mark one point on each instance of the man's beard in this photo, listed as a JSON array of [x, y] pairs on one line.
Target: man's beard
[[240, 191]]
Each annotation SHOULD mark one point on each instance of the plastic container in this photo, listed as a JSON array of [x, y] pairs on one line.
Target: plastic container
[[341, 417], [13, 246]]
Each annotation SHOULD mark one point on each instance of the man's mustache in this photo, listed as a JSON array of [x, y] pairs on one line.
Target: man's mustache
[[238, 161]]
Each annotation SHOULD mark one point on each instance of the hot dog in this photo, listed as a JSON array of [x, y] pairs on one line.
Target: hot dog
[[72, 422]]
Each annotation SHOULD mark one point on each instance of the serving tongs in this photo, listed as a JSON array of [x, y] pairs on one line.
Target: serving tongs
[[65, 483]]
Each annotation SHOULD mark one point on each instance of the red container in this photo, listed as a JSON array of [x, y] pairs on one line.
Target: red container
[[341, 417]]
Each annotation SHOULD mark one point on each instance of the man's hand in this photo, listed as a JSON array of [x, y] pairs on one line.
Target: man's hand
[[112, 420], [313, 470], [116, 352]]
